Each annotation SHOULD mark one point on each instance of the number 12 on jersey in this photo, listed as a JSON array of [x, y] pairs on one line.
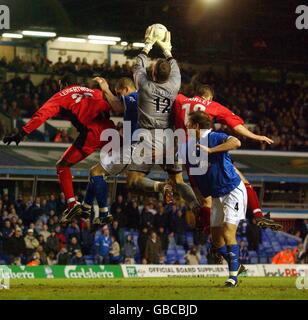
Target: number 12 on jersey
[[163, 105]]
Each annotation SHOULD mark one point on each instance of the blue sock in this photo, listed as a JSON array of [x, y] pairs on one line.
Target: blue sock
[[223, 251], [101, 193], [233, 260], [90, 193]]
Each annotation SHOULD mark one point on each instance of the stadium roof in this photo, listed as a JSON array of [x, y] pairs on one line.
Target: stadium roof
[[194, 25], [131, 17]]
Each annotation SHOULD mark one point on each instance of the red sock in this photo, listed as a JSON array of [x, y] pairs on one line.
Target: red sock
[[66, 184], [205, 215], [253, 201]]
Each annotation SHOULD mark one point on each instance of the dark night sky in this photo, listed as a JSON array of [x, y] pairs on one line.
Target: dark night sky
[[130, 17]]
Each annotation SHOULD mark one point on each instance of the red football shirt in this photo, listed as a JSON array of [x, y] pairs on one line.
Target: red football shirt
[[80, 105], [183, 106]]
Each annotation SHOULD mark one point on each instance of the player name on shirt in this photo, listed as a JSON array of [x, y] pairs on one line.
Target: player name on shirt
[[161, 92], [200, 100], [65, 92]]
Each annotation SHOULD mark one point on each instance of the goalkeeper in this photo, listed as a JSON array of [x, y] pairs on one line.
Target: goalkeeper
[[156, 96]]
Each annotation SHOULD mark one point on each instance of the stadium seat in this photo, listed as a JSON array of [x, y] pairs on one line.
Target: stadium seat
[[189, 234], [203, 251], [170, 261], [126, 233], [253, 254], [180, 258], [254, 260], [268, 231], [171, 252], [181, 252], [171, 257], [135, 239], [269, 253], [171, 246], [190, 240], [263, 260], [267, 244], [203, 260]]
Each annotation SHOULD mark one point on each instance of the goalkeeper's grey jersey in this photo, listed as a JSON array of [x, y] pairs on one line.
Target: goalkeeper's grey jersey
[[155, 100]]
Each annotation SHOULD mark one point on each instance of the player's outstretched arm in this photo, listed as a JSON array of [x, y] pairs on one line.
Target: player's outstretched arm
[[231, 143], [47, 111], [140, 73], [243, 131], [115, 103]]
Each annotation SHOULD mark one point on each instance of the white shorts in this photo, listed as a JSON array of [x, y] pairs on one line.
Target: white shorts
[[230, 208]]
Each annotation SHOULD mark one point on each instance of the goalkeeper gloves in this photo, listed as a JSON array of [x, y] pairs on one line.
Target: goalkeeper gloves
[[166, 45], [17, 138], [149, 40]]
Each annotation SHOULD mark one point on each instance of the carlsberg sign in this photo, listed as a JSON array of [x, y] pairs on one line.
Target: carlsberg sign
[[88, 272], [60, 272]]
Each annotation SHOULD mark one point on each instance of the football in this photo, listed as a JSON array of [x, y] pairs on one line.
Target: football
[[159, 31]]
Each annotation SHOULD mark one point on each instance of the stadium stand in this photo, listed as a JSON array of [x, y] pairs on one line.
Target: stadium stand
[[53, 243]]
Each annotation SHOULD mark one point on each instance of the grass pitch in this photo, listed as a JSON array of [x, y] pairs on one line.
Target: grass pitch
[[156, 288]]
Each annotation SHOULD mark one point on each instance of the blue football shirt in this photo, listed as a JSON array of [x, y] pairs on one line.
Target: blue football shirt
[[131, 109], [221, 177]]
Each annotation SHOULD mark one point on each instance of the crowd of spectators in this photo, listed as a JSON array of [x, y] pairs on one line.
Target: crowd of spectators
[[142, 231], [274, 109], [31, 233], [78, 66]]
